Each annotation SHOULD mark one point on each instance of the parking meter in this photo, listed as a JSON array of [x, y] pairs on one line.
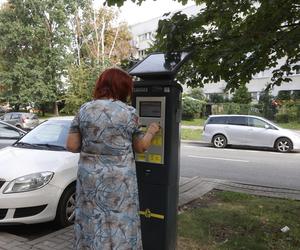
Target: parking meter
[[157, 98]]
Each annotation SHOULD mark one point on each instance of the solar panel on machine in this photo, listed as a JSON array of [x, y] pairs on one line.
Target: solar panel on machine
[[159, 63]]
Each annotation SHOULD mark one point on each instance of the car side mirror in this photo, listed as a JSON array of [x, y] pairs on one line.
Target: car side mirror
[[267, 126], [21, 134]]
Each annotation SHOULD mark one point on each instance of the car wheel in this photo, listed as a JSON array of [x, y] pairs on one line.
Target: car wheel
[[65, 213], [219, 141], [283, 145]]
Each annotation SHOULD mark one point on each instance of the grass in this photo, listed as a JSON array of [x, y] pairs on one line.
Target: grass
[[191, 134], [228, 220], [290, 125], [194, 122]]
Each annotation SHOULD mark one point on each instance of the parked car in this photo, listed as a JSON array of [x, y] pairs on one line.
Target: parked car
[[247, 130], [21, 120], [9, 134], [38, 175]]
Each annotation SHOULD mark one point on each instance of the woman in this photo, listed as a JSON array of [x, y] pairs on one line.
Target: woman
[[105, 132]]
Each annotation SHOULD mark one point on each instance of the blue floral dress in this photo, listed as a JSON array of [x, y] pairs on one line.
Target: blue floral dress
[[106, 214]]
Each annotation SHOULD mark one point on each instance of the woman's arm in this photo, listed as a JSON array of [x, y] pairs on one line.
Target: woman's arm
[[140, 145], [74, 142]]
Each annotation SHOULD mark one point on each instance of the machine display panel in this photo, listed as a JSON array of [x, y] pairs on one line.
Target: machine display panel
[[150, 109]]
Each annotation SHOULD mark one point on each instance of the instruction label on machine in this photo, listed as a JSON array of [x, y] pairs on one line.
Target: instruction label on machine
[[152, 109]]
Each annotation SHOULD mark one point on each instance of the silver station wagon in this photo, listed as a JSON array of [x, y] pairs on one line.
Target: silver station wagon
[[247, 130], [26, 121]]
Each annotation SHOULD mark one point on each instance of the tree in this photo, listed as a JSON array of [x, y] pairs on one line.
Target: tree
[[296, 95], [234, 40], [97, 36], [197, 93], [284, 95], [191, 108], [242, 95], [216, 98], [35, 38], [99, 42], [265, 100]]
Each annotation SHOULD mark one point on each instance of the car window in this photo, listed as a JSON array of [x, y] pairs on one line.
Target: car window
[[54, 133], [15, 116], [8, 132], [217, 120], [237, 120], [7, 117], [254, 122]]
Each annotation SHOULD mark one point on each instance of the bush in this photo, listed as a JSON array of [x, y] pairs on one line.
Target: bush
[[235, 108], [216, 98], [231, 108], [298, 113], [284, 95], [296, 95], [282, 118], [288, 112], [267, 109], [191, 108]]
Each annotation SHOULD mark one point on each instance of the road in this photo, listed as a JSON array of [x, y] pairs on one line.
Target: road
[[259, 167]]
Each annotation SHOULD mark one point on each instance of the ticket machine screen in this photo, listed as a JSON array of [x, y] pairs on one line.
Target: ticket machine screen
[[150, 109]]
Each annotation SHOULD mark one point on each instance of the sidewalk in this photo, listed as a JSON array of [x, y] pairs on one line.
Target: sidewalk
[[189, 190]]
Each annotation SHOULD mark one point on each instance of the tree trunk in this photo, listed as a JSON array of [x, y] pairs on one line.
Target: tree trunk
[[55, 109]]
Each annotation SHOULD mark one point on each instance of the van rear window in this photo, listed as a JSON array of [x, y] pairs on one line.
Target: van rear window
[[217, 120], [238, 120]]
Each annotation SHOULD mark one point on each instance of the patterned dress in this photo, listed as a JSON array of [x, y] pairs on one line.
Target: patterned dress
[[107, 195]]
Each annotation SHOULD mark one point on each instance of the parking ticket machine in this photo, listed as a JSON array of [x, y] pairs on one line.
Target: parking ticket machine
[[157, 98]]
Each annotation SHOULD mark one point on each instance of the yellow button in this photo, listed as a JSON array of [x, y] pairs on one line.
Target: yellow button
[[154, 158], [157, 141], [140, 157], [143, 129]]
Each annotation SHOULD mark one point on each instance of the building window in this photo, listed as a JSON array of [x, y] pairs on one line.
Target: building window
[[142, 53], [145, 36], [255, 96]]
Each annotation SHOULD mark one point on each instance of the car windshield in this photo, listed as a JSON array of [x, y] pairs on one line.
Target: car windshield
[[51, 135]]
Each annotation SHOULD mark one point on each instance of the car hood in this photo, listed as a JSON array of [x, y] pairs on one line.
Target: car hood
[[290, 132], [17, 162]]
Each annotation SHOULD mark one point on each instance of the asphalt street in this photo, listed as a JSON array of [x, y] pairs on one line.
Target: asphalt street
[[253, 166]]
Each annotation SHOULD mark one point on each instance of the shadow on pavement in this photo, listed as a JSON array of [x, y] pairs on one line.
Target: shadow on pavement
[[30, 232]]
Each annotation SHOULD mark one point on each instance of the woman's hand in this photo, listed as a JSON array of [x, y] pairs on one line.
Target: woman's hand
[[140, 145], [153, 128]]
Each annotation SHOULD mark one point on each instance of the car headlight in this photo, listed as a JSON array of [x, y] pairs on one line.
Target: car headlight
[[28, 182]]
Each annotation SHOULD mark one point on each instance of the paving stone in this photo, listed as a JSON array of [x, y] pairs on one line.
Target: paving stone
[[66, 245]]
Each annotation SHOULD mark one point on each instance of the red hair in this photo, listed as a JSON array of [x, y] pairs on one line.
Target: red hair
[[113, 83]]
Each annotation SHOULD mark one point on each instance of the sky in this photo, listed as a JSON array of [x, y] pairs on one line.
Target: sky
[[133, 13]]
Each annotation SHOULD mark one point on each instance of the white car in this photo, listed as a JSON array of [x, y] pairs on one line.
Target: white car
[[38, 176], [247, 130]]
